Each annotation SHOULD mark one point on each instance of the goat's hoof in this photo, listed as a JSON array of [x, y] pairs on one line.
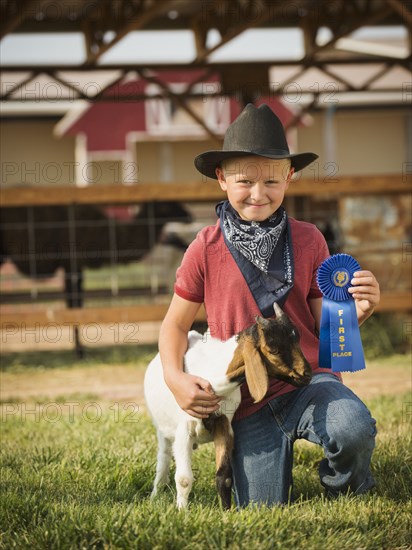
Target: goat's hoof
[[181, 504]]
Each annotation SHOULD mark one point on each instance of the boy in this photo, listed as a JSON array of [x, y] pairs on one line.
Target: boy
[[253, 256]]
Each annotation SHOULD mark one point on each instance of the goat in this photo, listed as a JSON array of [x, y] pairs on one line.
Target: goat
[[270, 347]]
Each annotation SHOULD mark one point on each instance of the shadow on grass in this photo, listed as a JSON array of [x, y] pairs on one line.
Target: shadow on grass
[[67, 358]]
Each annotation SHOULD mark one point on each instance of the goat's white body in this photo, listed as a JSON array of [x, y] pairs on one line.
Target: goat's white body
[[206, 357]]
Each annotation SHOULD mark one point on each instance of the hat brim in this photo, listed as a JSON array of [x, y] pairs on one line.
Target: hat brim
[[207, 162]]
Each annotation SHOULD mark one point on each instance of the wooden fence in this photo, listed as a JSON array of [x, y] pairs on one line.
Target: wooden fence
[[202, 192]]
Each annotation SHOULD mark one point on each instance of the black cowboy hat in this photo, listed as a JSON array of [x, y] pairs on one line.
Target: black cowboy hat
[[256, 131]]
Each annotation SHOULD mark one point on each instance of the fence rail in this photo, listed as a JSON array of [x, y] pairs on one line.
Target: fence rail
[[196, 192], [390, 301]]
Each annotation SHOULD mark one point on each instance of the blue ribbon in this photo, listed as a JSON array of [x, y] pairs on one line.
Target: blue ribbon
[[340, 347]]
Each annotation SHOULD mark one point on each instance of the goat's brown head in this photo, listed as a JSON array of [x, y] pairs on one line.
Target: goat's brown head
[[270, 347]]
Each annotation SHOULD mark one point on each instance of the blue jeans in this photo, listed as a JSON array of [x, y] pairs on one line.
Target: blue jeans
[[325, 412]]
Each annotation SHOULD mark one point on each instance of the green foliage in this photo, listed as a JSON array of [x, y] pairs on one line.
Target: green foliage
[[81, 483], [386, 334]]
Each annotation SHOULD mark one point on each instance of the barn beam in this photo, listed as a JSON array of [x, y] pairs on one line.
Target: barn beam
[[366, 86], [193, 95], [95, 28], [251, 14], [78, 93], [310, 25], [342, 28], [15, 86], [402, 9], [14, 13], [330, 59], [180, 100], [231, 81]]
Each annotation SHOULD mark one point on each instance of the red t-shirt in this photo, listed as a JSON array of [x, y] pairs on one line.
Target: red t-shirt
[[208, 274]]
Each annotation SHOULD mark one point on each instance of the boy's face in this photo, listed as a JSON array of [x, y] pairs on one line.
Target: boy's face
[[255, 186]]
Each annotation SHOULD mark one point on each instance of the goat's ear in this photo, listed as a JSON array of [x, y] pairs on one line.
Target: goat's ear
[[256, 374], [236, 367]]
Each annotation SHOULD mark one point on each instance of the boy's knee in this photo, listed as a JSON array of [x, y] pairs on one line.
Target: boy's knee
[[357, 437], [354, 432]]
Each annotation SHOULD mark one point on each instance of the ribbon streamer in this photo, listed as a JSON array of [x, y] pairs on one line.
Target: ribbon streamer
[[340, 347]]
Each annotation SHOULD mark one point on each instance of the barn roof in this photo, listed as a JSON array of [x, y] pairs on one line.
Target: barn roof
[[328, 33]]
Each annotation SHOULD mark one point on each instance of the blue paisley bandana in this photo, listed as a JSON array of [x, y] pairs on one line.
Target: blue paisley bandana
[[263, 253]]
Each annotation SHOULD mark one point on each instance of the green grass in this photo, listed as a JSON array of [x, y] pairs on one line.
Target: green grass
[[81, 476], [66, 359]]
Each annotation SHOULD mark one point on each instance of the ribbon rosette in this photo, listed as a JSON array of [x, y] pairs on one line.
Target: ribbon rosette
[[340, 346]]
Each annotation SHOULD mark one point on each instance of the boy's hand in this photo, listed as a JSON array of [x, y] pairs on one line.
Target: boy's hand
[[366, 293], [194, 395]]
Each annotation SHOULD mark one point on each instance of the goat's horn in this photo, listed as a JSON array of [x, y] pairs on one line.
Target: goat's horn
[[278, 310]]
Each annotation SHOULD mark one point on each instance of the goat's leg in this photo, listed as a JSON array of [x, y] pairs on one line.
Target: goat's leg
[[182, 451], [164, 455], [223, 440]]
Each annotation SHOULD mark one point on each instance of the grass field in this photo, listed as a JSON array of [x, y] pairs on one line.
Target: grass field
[[78, 459]]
